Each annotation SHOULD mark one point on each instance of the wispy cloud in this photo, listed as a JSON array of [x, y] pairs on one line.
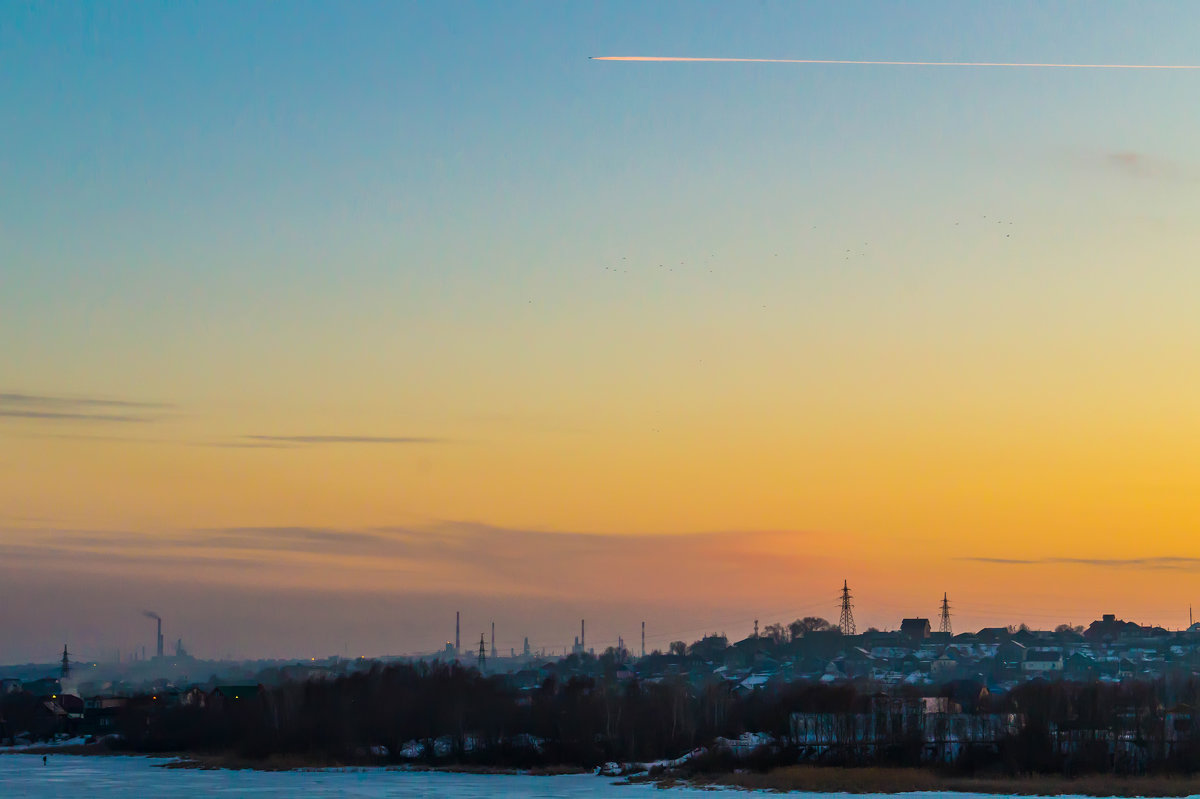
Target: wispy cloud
[[33, 519], [465, 557], [60, 415], [1158, 562], [1147, 167], [93, 437], [45, 407], [261, 440], [1017, 561], [310, 539], [875, 63], [44, 400]]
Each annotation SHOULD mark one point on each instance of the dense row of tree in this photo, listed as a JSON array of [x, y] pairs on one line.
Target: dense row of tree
[[593, 719], [582, 720], [22, 712]]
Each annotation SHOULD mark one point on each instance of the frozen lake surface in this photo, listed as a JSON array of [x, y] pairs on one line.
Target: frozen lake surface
[[79, 777]]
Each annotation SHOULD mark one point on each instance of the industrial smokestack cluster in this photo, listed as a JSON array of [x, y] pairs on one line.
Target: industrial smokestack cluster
[[152, 615]]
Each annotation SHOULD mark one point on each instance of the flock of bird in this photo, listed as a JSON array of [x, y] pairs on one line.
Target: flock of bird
[[848, 253]]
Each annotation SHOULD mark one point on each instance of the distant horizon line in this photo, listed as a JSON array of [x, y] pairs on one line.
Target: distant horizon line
[[550, 651], [838, 61]]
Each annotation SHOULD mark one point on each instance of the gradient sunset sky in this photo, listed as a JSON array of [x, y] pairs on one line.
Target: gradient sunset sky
[[321, 321]]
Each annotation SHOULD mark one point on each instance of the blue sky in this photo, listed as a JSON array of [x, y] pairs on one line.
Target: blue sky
[[442, 221]]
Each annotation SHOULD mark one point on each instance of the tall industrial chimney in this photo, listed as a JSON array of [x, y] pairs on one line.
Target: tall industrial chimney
[[493, 640], [457, 632], [582, 637], [160, 641]]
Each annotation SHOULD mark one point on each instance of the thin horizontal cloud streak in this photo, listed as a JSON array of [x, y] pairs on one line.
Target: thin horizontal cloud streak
[[1162, 562], [312, 539], [264, 539], [44, 401], [449, 556], [879, 63], [129, 557], [63, 415], [326, 439], [44, 407], [99, 555], [109, 438], [1144, 166], [1011, 561]]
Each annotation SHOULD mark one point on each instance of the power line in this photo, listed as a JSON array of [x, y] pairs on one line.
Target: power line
[[747, 620]]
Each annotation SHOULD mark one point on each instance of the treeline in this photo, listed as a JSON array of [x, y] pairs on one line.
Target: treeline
[[22, 712], [1133, 727], [458, 715], [486, 719]]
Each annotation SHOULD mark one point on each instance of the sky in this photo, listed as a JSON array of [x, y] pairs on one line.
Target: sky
[[322, 321]]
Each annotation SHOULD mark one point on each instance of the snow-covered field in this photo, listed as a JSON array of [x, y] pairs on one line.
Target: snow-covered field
[[80, 777]]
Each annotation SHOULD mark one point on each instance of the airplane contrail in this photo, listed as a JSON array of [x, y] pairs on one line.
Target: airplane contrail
[[895, 63]]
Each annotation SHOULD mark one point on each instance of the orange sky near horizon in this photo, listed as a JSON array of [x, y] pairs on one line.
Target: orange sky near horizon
[[904, 511]]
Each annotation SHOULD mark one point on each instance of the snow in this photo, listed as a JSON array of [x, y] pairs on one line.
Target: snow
[[756, 680], [96, 777], [80, 741]]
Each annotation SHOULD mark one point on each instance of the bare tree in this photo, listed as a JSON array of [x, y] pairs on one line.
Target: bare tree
[[776, 632], [800, 627]]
